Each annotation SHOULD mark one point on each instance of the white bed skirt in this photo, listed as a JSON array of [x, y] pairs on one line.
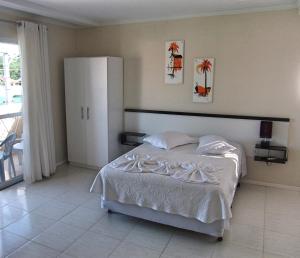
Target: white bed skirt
[[214, 229]]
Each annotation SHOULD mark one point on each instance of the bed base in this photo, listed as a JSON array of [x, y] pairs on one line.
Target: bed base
[[215, 229], [219, 239]]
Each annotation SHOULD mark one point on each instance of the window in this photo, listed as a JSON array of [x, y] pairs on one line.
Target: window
[[11, 91], [11, 98]]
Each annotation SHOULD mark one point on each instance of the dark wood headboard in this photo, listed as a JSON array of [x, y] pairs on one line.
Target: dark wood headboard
[[264, 118]]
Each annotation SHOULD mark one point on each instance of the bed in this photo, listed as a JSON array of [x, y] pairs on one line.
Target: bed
[[197, 201]]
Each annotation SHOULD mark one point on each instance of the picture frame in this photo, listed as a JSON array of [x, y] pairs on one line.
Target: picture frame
[[203, 79], [174, 61]]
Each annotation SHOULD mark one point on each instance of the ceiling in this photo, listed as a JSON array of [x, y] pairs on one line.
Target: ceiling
[[102, 12]]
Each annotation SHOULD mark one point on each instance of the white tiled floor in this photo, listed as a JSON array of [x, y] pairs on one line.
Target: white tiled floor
[[60, 218]]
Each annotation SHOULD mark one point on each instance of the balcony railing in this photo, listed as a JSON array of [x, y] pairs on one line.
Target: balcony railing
[[9, 123]]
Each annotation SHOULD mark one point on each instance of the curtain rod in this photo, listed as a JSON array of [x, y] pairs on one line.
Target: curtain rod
[[8, 21], [15, 22]]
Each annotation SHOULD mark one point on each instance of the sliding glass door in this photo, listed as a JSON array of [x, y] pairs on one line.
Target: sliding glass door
[[11, 122]]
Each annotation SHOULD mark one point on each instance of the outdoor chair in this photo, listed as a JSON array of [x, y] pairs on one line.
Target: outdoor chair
[[6, 153]]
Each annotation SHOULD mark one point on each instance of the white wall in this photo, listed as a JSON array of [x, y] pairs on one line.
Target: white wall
[[257, 70]]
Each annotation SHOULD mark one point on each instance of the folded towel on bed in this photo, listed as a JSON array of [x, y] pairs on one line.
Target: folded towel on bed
[[184, 171]]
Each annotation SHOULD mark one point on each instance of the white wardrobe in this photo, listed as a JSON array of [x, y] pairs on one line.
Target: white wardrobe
[[94, 109]]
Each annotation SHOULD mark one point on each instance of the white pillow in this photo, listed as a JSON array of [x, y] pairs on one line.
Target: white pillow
[[213, 144], [169, 140]]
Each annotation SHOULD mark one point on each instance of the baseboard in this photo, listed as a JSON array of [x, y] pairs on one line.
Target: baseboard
[[61, 163], [280, 186], [75, 164]]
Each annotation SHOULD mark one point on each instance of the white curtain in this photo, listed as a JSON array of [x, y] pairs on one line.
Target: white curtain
[[39, 150]]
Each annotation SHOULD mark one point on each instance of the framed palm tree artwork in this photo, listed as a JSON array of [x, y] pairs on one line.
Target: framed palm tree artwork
[[203, 80], [174, 62]]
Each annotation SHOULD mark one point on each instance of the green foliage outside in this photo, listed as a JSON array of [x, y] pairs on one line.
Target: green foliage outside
[[14, 68], [1, 66]]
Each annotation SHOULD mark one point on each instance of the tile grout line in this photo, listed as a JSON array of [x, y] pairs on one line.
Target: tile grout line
[[15, 250], [23, 216], [123, 240], [31, 239], [171, 237], [28, 240], [106, 235], [85, 230], [60, 252]]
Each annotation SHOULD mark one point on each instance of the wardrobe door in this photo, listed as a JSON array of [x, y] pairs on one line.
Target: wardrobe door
[[75, 109], [96, 99]]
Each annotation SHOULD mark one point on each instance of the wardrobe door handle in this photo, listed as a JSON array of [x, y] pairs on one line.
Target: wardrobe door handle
[[82, 113], [87, 113]]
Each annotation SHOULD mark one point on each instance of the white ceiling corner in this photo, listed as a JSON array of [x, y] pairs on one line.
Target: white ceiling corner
[[35, 8], [105, 12]]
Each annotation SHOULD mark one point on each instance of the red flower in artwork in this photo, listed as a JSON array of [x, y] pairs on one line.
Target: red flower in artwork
[[173, 47], [175, 59]]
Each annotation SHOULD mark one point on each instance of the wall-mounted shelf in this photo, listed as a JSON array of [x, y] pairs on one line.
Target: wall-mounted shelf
[[271, 154], [132, 138]]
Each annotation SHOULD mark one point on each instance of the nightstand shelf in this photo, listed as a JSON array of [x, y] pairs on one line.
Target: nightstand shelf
[[271, 154], [133, 139]]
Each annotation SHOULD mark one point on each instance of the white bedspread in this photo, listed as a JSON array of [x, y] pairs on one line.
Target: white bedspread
[[185, 171], [177, 181]]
